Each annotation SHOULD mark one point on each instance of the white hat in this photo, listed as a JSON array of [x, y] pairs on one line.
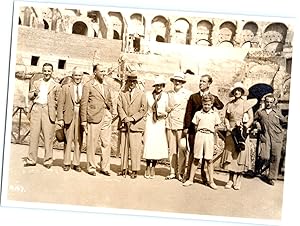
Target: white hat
[[180, 76], [236, 86], [158, 80]]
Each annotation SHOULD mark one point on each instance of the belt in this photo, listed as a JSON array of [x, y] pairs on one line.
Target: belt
[[205, 131]]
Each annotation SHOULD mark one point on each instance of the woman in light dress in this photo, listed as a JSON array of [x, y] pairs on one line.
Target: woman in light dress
[[238, 112], [155, 138]]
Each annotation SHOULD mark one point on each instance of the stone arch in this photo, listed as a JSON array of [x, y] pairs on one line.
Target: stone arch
[[204, 33], [117, 24], [274, 37], [182, 29], [258, 91], [248, 33], [46, 25], [160, 29], [80, 28], [137, 24], [227, 32]]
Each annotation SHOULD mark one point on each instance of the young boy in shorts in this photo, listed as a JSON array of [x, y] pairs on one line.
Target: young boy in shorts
[[205, 122]]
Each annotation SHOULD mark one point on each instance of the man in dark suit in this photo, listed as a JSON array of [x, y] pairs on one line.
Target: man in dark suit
[[96, 119], [68, 118], [195, 104], [43, 95], [131, 109]]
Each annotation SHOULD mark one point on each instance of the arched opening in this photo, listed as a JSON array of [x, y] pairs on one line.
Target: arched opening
[[204, 31], [117, 23], [46, 25], [227, 32], [258, 91], [159, 38], [80, 28], [182, 31], [274, 37], [160, 29], [116, 35]]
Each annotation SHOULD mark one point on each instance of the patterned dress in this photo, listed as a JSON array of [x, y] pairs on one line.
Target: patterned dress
[[233, 160]]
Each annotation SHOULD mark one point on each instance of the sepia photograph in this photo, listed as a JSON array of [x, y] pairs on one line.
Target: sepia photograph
[[144, 112]]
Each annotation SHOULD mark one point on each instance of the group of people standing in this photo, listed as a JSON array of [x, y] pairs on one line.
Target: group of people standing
[[153, 125]]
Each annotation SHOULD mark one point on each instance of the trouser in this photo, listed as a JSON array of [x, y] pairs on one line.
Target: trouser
[[177, 155], [275, 159], [103, 132], [191, 139], [73, 133], [40, 121], [132, 141]]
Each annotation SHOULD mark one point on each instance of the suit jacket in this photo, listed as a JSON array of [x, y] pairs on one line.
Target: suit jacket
[[134, 107], [195, 104], [65, 103], [93, 102], [53, 93]]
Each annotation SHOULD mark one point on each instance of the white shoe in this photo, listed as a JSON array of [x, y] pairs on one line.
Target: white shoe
[[229, 184], [187, 183]]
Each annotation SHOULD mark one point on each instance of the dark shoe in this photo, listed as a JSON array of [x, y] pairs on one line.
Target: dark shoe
[[66, 167], [106, 173], [48, 166], [133, 175], [270, 181], [121, 173], [77, 168], [27, 164], [93, 173]]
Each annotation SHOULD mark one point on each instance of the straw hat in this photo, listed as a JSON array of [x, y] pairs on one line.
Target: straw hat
[[236, 86], [180, 76], [158, 81]]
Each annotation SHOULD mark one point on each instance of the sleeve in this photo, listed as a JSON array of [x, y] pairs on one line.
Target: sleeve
[[142, 111], [84, 102], [196, 119], [217, 103], [60, 103], [188, 114], [121, 111], [217, 118]]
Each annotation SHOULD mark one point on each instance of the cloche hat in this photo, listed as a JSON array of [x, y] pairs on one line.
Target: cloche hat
[[158, 80]]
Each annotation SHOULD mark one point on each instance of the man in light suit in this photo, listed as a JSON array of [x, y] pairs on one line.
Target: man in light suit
[[131, 109], [178, 98], [96, 119], [43, 94], [68, 118]]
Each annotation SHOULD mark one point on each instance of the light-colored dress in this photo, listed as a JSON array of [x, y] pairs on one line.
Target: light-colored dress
[[155, 138], [233, 160]]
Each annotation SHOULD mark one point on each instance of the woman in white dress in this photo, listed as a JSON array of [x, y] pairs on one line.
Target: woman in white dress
[[155, 138]]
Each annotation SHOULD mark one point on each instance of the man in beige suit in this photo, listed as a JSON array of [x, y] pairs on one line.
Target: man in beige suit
[[68, 118], [43, 94], [131, 109], [96, 119], [178, 98]]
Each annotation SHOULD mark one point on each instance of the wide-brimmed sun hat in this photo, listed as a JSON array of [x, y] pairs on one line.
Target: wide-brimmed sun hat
[[158, 81], [179, 76], [241, 86]]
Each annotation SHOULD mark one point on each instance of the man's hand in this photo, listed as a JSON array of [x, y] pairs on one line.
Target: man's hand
[[60, 123], [185, 132], [84, 125]]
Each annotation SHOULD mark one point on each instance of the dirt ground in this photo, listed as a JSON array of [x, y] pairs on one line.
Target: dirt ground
[[72, 190]]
